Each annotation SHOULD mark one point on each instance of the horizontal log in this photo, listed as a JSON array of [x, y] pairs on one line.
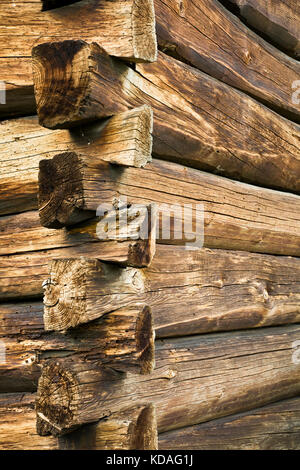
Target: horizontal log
[[132, 429], [95, 289], [18, 424], [273, 427], [236, 216], [277, 20], [124, 339], [255, 144], [196, 379], [124, 139], [207, 36], [189, 291], [125, 28]]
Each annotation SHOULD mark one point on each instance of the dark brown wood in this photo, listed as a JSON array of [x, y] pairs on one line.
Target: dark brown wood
[[125, 28], [124, 139], [221, 129], [236, 216], [132, 429], [196, 379], [207, 36], [124, 339], [279, 20], [50, 4], [273, 427]]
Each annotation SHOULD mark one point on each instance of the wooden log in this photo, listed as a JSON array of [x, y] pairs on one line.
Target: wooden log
[[207, 36], [196, 379], [124, 139], [18, 424], [125, 28], [252, 145], [277, 20], [273, 427], [132, 429], [124, 339], [236, 216]]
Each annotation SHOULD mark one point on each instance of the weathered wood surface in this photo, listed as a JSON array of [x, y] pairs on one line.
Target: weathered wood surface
[[125, 28], [228, 290], [218, 129], [18, 424], [196, 379], [124, 139], [132, 429], [124, 339], [236, 215], [189, 291], [273, 427], [279, 20], [135, 428], [207, 36]]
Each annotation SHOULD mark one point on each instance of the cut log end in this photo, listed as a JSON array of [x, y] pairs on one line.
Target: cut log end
[[145, 435], [144, 33], [62, 80], [145, 338], [61, 191]]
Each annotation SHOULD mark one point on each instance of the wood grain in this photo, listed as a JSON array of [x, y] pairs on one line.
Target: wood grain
[[273, 427], [219, 129], [207, 36], [279, 20]]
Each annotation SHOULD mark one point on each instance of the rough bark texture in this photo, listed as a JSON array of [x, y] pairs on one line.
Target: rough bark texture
[[207, 36], [273, 427], [277, 19], [124, 139], [196, 379], [124, 339], [236, 216], [220, 129], [132, 429], [125, 28]]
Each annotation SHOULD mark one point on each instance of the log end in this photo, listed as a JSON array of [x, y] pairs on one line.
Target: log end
[[145, 341], [60, 197], [144, 435], [144, 31], [63, 85]]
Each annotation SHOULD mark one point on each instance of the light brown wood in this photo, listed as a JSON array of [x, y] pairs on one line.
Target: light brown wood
[[196, 379], [220, 129], [273, 427], [124, 339], [237, 216], [132, 429], [124, 139], [125, 28], [277, 19], [207, 36]]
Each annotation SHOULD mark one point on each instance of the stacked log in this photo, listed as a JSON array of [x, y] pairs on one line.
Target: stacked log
[[121, 326]]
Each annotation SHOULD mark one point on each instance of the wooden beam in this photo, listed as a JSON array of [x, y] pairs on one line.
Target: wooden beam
[[124, 139], [196, 379], [273, 427], [221, 130], [207, 36], [236, 216], [124, 339], [131, 429], [125, 28], [277, 20]]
